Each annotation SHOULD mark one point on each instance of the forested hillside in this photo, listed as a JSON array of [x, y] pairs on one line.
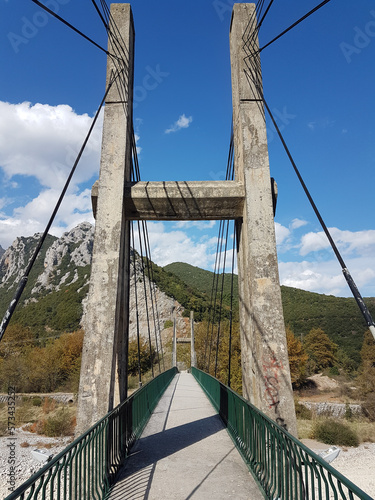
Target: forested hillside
[[52, 306], [338, 317]]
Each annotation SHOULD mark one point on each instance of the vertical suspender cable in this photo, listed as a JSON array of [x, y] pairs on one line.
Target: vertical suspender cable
[[136, 309], [231, 310]]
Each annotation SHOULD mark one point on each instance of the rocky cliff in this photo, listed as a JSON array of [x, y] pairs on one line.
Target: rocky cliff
[[66, 261]]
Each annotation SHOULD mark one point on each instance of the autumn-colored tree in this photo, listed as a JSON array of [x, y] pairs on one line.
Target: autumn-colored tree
[[16, 340], [145, 358], [320, 349], [367, 369], [41, 369], [297, 358], [366, 378], [206, 343], [13, 348]]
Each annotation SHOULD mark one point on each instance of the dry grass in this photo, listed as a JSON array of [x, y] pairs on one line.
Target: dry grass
[[39, 419], [304, 428], [364, 429]]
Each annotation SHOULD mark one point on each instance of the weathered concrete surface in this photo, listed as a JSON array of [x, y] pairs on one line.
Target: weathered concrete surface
[[183, 200], [265, 367], [105, 344], [185, 453]]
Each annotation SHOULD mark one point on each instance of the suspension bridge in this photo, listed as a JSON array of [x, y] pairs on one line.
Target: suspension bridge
[[186, 435]]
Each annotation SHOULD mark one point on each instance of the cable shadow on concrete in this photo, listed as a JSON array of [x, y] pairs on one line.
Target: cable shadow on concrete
[[134, 481]]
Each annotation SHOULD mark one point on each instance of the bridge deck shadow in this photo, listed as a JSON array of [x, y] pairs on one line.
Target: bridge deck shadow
[[184, 453]]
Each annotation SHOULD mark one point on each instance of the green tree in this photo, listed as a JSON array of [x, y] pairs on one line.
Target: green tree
[[320, 349], [367, 369], [145, 357], [297, 358], [206, 341]]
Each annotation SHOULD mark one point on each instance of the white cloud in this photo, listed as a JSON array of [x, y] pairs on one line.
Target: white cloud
[[178, 246], [313, 242], [348, 242], [43, 141], [182, 122], [297, 223], [326, 277], [201, 225], [282, 233], [322, 277]]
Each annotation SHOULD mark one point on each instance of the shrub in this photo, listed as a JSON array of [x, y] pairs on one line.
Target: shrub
[[49, 404], [368, 407], [3, 427], [348, 412], [168, 324], [334, 370], [61, 424], [37, 401], [332, 432], [302, 412]]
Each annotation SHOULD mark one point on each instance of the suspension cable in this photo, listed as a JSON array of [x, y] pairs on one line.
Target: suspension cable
[[70, 26], [136, 309], [221, 298], [23, 281], [231, 308], [146, 302], [295, 24], [349, 279], [106, 24], [353, 287]]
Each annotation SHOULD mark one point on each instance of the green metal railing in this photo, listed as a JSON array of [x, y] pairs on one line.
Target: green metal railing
[[283, 467], [86, 469]]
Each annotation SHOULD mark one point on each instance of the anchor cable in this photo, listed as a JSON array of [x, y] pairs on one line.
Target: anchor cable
[[21, 286], [254, 62], [70, 26], [295, 24]]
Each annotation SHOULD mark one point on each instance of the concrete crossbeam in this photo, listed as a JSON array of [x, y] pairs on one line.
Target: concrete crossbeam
[[182, 200]]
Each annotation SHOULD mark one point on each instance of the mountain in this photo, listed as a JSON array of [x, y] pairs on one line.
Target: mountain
[[202, 280], [54, 298], [2, 251], [339, 317]]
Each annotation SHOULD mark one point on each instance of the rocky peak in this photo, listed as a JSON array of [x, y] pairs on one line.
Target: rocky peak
[[15, 259], [67, 260]]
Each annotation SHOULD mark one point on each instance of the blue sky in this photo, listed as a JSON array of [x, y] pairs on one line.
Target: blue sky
[[319, 80]]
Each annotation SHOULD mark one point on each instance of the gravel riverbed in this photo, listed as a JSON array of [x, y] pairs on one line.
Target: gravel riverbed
[[18, 448]]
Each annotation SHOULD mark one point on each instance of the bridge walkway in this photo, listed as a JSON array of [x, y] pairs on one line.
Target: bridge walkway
[[185, 453]]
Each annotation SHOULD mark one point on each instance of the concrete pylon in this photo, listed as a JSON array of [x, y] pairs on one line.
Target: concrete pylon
[[265, 367], [103, 381]]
